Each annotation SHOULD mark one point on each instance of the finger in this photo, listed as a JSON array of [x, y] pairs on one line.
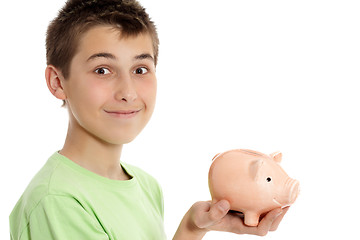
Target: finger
[[277, 221], [213, 215], [266, 223]]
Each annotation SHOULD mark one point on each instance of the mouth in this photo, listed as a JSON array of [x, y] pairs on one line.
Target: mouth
[[123, 114]]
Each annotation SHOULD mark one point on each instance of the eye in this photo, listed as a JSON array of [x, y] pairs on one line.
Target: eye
[[102, 71], [268, 179], [141, 70]]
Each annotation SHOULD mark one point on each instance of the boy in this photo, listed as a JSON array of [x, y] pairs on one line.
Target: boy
[[101, 57]]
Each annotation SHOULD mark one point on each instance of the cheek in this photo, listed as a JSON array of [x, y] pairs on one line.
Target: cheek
[[86, 98], [93, 92], [148, 93]]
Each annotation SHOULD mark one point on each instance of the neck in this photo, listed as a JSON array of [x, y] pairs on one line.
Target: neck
[[93, 153]]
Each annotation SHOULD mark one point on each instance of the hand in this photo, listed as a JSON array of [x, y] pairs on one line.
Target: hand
[[217, 217], [205, 216]]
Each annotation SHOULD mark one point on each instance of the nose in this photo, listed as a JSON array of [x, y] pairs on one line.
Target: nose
[[126, 91], [294, 190]]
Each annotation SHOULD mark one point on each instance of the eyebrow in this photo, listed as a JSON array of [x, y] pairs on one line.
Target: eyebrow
[[101, 55], [113, 57], [144, 56]]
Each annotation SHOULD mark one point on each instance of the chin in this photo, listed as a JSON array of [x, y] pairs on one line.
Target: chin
[[122, 135], [121, 139]]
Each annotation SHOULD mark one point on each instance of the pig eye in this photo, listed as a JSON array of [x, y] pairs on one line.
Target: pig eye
[[268, 179]]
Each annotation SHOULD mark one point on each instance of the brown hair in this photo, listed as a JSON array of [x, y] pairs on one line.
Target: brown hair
[[78, 16]]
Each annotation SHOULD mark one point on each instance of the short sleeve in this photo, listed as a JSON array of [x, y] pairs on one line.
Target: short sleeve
[[160, 200], [61, 217]]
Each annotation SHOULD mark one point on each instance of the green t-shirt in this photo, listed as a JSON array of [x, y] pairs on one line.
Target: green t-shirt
[[65, 201]]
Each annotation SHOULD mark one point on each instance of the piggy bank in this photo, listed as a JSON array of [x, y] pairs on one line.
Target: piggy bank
[[254, 183]]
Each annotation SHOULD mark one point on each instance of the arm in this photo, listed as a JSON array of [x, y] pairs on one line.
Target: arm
[[204, 216]]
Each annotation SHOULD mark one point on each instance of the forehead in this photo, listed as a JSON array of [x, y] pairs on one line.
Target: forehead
[[111, 39]]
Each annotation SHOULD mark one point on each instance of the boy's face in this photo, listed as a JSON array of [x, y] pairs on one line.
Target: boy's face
[[111, 89]]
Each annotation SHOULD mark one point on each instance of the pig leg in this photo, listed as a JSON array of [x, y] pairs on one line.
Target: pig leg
[[251, 219]]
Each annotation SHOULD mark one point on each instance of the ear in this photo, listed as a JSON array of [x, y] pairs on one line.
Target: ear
[[54, 82], [276, 156], [215, 156], [254, 168]]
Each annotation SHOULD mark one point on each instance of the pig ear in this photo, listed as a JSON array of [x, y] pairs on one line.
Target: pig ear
[[215, 156], [276, 156], [254, 168]]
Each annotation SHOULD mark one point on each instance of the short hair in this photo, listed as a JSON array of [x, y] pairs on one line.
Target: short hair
[[78, 16]]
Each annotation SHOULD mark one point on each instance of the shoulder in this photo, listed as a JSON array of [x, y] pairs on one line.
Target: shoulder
[[46, 221], [53, 179], [37, 190], [39, 186]]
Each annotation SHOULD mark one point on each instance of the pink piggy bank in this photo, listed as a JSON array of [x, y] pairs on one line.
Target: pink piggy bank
[[253, 183]]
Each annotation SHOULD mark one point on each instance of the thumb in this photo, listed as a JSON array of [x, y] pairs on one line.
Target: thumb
[[214, 214]]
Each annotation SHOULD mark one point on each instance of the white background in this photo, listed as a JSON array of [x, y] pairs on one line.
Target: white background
[[265, 75]]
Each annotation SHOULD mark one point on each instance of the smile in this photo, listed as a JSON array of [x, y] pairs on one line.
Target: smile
[[123, 114]]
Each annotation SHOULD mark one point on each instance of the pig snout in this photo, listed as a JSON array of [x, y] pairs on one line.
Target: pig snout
[[293, 187]]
